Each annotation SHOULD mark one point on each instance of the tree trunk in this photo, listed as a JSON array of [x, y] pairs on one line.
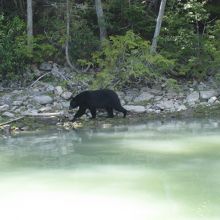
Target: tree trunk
[[67, 37], [158, 26], [29, 25], [101, 19]]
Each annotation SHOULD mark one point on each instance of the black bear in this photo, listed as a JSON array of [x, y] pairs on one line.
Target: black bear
[[103, 98]]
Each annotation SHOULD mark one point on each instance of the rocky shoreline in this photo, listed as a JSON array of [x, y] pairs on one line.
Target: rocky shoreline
[[42, 98]]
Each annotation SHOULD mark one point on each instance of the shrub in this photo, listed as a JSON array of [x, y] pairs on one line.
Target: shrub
[[126, 60], [186, 37], [13, 50]]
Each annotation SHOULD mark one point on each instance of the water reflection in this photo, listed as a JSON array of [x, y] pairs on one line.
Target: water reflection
[[156, 170]]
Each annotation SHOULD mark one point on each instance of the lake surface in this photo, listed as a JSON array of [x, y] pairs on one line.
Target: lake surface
[[155, 171]]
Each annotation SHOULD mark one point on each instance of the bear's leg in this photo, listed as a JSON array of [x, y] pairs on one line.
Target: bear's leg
[[93, 112], [80, 112], [110, 112], [121, 109]]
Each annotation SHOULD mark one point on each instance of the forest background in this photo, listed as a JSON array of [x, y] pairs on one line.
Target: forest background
[[111, 40]]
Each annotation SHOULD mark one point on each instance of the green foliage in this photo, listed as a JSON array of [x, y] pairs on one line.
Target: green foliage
[[42, 50], [127, 58], [54, 37], [186, 38], [13, 50], [14, 53], [83, 42], [122, 16], [172, 84]]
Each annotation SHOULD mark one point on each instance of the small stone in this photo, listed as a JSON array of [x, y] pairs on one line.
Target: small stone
[[212, 100], [4, 108], [45, 67], [66, 104], [45, 109], [66, 95], [58, 90], [8, 114], [50, 88], [181, 108]]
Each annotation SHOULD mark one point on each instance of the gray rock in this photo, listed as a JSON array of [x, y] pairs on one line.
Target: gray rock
[[58, 105], [65, 105], [66, 95], [181, 108], [128, 98], [4, 107], [130, 95], [30, 112], [58, 90], [50, 88], [212, 100], [192, 98], [8, 114], [135, 108], [167, 105], [202, 86], [45, 67], [45, 109], [17, 103], [20, 110], [158, 98], [43, 99], [205, 95], [143, 97]]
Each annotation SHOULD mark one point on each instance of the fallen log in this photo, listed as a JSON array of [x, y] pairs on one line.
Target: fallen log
[[51, 114]]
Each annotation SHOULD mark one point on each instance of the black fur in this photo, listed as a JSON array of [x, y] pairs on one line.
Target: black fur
[[101, 99]]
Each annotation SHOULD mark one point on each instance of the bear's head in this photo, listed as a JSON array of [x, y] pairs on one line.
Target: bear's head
[[73, 104]]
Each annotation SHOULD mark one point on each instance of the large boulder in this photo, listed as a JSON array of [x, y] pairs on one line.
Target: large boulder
[[212, 100], [144, 97], [206, 95], [192, 98], [166, 105], [8, 114], [43, 99], [135, 108]]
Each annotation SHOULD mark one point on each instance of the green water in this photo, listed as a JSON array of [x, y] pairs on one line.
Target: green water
[[154, 171]]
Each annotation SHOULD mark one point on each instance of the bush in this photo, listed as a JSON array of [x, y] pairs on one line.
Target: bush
[[13, 50], [187, 38], [126, 60], [42, 50]]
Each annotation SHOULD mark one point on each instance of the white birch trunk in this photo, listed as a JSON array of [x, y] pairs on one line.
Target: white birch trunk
[[158, 26], [72, 66], [29, 25], [101, 19]]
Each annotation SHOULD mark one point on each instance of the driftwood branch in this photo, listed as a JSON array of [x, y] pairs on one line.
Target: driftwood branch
[[39, 79], [44, 114], [13, 120]]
